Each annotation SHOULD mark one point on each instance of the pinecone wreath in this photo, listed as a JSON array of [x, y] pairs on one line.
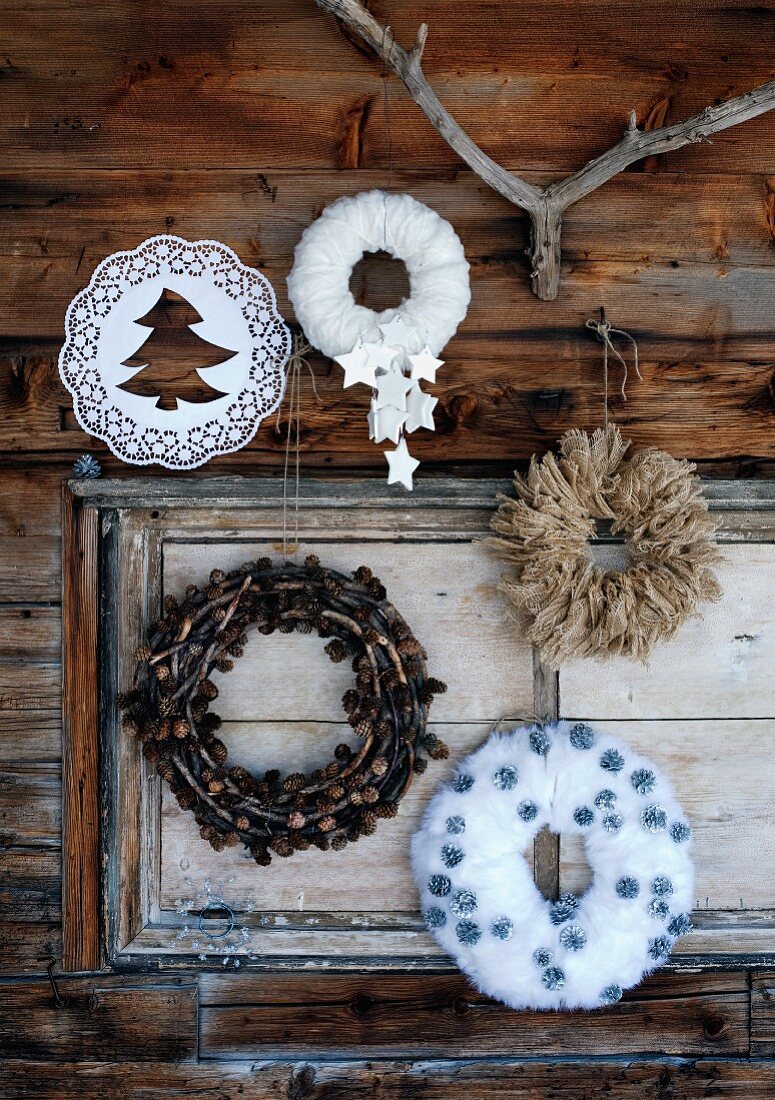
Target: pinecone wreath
[[169, 707]]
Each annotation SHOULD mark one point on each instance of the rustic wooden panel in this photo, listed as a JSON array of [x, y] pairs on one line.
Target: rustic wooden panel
[[104, 1017], [440, 1079], [723, 658], [80, 749], [763, 1014], [726, 797], [27, 736], [24, 943], [426, 1015], [373, 876], [30, 805], [29, 569], [30, 883], [31, 634]]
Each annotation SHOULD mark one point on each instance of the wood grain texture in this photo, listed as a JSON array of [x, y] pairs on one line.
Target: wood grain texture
[[425, 1015], [763, 1014], [103, 1017], [80, 831]]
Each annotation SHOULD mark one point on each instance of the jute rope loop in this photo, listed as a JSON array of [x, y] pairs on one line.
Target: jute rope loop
[[572, 607], [169, 707]]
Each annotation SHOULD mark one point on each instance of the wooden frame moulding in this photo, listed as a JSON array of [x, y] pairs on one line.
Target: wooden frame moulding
[[114, 533]]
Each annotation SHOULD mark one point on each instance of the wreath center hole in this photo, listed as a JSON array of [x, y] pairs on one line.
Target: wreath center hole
[[576, 874], [379, 281], [609, 552]]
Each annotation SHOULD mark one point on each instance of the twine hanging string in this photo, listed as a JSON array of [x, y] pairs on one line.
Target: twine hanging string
[[603, 330], [294, 369]]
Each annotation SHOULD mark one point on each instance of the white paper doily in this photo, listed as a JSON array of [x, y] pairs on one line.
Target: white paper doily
[[239, 313]]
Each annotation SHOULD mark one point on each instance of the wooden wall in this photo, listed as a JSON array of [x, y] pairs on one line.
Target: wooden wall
[[240, 121]]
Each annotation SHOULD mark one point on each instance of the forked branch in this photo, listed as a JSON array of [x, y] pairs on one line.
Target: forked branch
[[545, 205]]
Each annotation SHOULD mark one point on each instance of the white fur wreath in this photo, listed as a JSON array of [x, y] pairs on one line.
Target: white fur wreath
[[478, 893], [376, 221]]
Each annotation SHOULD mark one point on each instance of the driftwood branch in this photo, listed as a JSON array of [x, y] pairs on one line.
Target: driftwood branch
[[545, 205]]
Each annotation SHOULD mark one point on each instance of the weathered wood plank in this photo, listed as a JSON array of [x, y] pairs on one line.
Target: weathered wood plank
[[30, 805], [763, 1014], [32, 634], [27, 736], [731, 813], [440, 1079], [30, 885], [106, 110], [24, 943], [29, 569], [103, 1018], [724, 657], [80, 736], [423, 1015]]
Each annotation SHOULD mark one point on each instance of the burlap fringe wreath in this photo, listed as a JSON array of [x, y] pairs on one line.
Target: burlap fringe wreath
[[574, 608]]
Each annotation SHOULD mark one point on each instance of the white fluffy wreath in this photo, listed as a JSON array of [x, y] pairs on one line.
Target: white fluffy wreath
[[478, 893], [376, 221]]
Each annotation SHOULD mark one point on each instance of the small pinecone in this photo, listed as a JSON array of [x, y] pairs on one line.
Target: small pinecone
[[186, 798], [420, 764], [217, 576], [142, 653], [312, 561], [213, 591], [236, 649], [379, 765], [332, 770], [165, 730], [365, 678], [371, 636], [296, 820], [129, 725], [363, 728], [210, 723], [149, 731], [356, 798], [409, 647], [168, 707], [377, 589], [338, 843], [353, 782], [166, 770], [272, 777], [326, 824], [281, 846], [217, 750], [208, 689], [263, 564], [332, 585], [303, 626], [369, 823], [350, 700], [207, 832], [260, 855], [390, 678], [336, 650], [206, 775], [231, 840], [324, 628], [322, 843], [343, 752], [370, 794], [324, 804], [191, 590], [293, 783], [363, 574], [362, 613], [386, 809], [224, 664], [336, 792], [438, 687], [215, 786], [217, 843], [298, 842], [170, 605], [181, 728], [383, 728], [438, 750], [242, 824], [318, 776], [219, 614], [287, 626], [263, 790], [354, 833], [150, 752]]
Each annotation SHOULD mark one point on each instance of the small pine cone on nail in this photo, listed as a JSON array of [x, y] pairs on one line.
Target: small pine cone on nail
[[350, 700], [206, 775], [369, 823], [217, 843], [207, 832], [383, 728], [217, 576], [372, 637], [213, 591]]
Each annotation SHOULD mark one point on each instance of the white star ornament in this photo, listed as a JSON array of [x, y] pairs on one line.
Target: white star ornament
[[419, 410], [397, 332], [392, 389], [425, 365], [380, 355], [385, 423], [356, 367], [401, 464]]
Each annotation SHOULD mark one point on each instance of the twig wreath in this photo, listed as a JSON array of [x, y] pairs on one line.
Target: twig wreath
[[575, 608], [169, 707]]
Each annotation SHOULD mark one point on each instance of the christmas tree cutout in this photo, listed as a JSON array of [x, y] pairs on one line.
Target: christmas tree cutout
[[169, 361]]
